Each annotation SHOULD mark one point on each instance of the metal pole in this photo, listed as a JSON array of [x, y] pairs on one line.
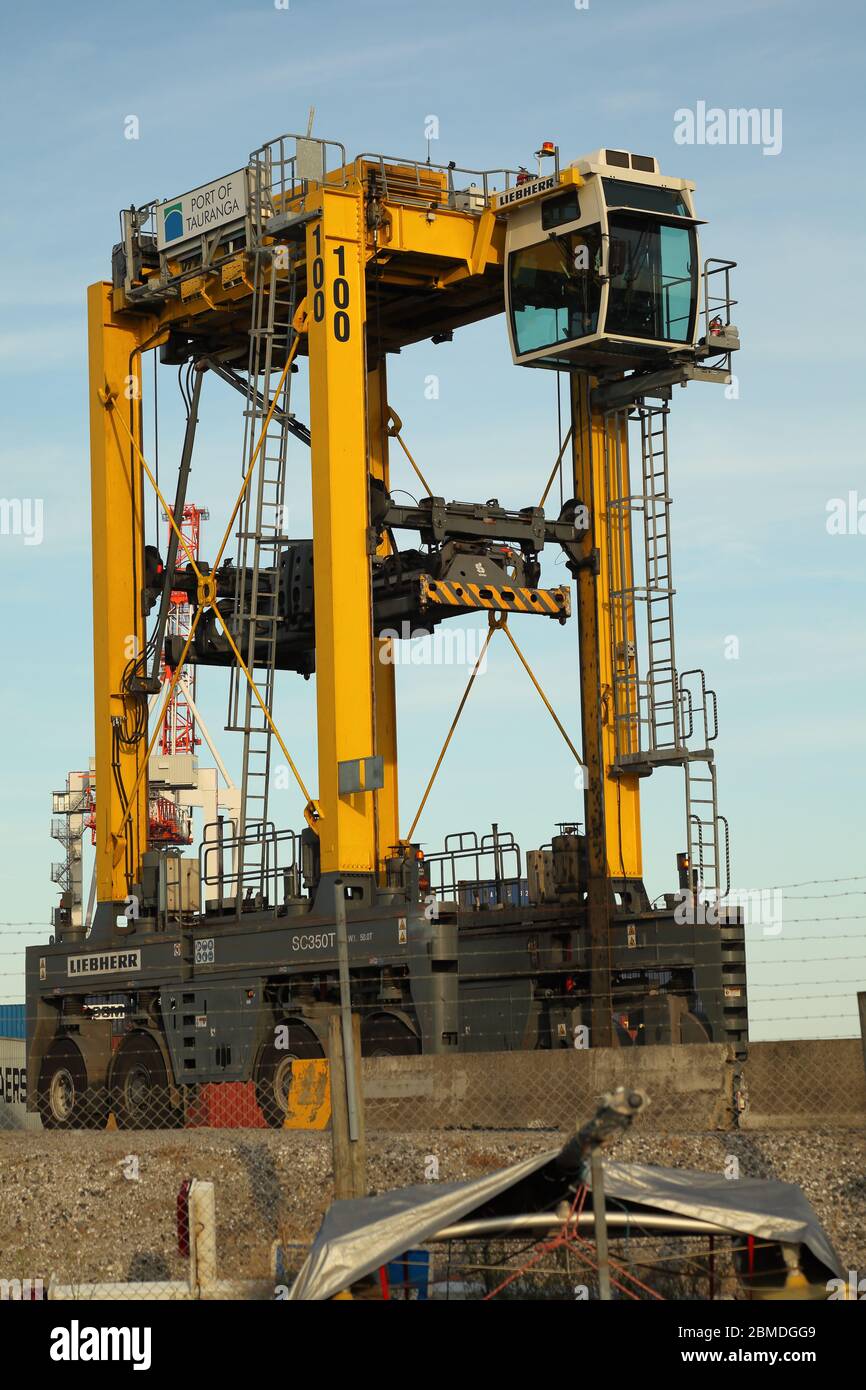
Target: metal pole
[[497, 863], [654, 1223], [220, 853], [346, 1007], [592, 718], [177, 512], [861, 1005], [349, 1155], [600, 1218]]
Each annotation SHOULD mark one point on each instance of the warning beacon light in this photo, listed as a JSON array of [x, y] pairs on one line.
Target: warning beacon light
[[603, 266]]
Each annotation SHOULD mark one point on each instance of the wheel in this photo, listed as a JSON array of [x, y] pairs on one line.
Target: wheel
[[274, 1069], [140, 1096], [63, 1097], [386, 1036]]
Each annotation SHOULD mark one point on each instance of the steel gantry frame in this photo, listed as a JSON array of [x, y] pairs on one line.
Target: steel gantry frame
[[383, 254], [447, 253], [455, 257]]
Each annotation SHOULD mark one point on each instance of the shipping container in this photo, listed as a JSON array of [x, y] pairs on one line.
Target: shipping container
[[13, 1086], [12, 1021]]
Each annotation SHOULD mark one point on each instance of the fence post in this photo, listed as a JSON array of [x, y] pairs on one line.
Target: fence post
[[202, 1239], [349, 1154], [599, 1213]]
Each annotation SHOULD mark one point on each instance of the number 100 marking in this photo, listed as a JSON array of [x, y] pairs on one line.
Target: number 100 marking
[[339, 290]]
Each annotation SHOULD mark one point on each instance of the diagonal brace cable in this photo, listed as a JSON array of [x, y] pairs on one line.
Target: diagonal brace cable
[[551, 711], [395, 425], [490, 631]]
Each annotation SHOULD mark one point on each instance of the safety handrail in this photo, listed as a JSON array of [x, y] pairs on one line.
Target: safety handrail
[[717, 304], [498, 848], [419, 166], [265, 872]]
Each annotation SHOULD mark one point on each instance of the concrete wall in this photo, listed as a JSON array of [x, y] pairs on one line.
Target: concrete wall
[[782, 1085], [791, 1085], [690, 1088]]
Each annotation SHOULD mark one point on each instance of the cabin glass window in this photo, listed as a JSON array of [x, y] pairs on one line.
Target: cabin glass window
[[622, 193], [555, 289], [653, 279], [558, 212]]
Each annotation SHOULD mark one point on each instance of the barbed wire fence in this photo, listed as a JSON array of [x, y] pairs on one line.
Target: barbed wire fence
[[435, 1117], [801, 982]]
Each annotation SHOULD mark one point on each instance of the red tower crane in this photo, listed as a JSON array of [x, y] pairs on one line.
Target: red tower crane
[[170, 823], [178, 733]]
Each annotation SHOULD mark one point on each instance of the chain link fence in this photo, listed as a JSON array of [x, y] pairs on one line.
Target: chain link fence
[[91, 1209], [698, 1087]]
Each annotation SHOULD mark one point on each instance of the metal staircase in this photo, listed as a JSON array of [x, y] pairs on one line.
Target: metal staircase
[[261, 540], [626, 685], [708, 837], [660, 693], [661, 718]]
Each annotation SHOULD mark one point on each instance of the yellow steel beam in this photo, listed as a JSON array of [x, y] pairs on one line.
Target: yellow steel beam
[[117, 550], [619, 729], [607, 635], [384, 679], [591, 637], [341, 562], [445, 235], [415, 245]]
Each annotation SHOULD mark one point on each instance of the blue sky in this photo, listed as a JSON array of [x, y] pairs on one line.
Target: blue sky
[[751, 477]]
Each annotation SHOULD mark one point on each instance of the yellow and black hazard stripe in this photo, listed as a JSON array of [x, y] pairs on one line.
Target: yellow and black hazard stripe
[[553, 603]]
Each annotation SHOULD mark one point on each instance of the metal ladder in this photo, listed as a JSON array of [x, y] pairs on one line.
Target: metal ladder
[[647, 708], [261, 540], [660, 718], [708, 833], [626, 685], [661, 690], [648, 711]]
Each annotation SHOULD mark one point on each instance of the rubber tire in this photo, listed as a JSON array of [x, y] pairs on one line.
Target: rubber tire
[[386, 1036], [139, 1063], [270, 1070], [87, 1108]]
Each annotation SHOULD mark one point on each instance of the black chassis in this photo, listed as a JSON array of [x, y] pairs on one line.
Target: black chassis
[[463, 981]]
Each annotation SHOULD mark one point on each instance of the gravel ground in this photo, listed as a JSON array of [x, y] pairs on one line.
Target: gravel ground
[[68, 1209]]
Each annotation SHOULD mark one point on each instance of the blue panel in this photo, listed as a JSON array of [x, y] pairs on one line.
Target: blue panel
[[410, 1274], [12, 1021]]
